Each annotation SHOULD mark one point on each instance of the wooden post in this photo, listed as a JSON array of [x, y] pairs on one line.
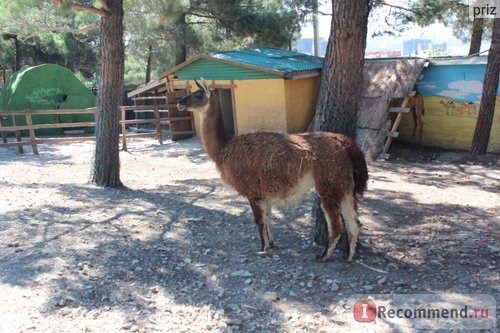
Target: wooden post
[[18, 135], [156, 111], [31, 131], [124, 129]]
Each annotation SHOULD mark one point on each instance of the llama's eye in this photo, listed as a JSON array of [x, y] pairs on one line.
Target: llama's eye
[[198, 97]]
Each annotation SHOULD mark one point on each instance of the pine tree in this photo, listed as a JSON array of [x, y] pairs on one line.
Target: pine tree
[[341, 78]]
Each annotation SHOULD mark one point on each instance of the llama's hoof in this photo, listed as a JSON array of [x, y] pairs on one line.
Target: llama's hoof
[[347, 256], [263, 254], [321, 258]]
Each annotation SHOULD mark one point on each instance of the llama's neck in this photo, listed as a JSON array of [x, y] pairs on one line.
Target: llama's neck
[[213, 134]]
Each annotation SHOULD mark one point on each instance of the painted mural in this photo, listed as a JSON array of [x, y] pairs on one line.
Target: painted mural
[[451, 94]]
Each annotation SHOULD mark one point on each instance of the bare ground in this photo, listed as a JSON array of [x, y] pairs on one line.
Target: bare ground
[[175, 251]]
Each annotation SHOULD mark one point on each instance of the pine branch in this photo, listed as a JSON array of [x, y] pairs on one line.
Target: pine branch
[[104, 4], [98, 11], [11, 28], [396, 7]]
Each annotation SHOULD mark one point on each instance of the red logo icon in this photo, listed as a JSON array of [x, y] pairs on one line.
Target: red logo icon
[[365, 311]]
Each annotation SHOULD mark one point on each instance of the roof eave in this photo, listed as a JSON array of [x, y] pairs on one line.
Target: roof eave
[[302, 74], [229, 62], [146, 87]]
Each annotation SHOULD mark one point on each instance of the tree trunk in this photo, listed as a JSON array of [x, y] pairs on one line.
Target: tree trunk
[[489, 95], [149, 62], [17, 51], [106, 168], [180, 39], [341, 82], [477, 36]]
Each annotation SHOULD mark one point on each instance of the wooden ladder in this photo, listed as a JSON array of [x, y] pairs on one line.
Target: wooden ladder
[[393, 133]]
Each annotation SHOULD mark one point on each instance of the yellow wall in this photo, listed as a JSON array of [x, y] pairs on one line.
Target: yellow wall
[[301, 96], [260, 106], [450, 124], [275, 105]]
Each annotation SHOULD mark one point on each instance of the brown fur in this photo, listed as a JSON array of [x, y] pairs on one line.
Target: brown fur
[[270, 167]]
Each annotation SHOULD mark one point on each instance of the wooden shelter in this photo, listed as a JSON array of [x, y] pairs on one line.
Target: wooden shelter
[[388, 85], [160, 98], [260, 89], [276, 90]]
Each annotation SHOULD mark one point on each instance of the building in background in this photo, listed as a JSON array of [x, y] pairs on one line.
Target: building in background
[[306, 46], [421, 47]]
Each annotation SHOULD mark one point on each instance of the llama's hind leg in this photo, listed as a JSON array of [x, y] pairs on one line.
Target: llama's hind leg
[[334, 224], [258, 209], [348, 211], [267, 221]]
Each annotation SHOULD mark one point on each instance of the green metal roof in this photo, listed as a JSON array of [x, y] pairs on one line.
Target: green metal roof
[[248, 64], [215, 70]]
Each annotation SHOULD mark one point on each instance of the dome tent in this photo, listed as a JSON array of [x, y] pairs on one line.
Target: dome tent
[[46, 87]]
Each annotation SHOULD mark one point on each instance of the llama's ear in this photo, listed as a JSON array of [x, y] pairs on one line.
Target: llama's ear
[[204, 86], [199, 85]]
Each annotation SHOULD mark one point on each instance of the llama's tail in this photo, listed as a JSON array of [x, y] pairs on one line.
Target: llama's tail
[[359, 169]]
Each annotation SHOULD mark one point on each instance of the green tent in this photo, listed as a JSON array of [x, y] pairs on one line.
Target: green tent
[[47, 87]]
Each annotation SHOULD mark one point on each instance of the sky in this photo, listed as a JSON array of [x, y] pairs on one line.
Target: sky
[[437, 33]]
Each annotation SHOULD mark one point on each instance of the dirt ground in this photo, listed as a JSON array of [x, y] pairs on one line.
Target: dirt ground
[[177, 252]]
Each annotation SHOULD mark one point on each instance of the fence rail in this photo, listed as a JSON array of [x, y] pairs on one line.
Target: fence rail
[[158, 111]]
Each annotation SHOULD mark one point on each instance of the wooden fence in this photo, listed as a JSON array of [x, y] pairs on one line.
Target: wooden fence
[[160, 117]]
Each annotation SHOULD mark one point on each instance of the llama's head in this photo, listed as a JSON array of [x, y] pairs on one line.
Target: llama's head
[[197, 101]]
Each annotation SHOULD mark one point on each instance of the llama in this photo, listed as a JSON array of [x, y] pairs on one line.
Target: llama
[[268, 168], [417, 110]]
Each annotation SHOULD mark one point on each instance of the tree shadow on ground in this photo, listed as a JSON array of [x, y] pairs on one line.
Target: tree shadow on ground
[[189, 148], [191, 243]]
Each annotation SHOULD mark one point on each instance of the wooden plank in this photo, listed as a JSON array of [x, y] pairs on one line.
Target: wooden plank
[[177, 118], [146, 98], [44, 126], [392, 134], [139, 121], [141, 135], [148, 86], [31, 132], [182, 132], [65, 139], [16, 143], [144, 107], [39, 112], [399, 109]]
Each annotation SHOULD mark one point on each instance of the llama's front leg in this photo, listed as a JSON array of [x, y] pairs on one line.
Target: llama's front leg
[[258, 213], [334, 224]]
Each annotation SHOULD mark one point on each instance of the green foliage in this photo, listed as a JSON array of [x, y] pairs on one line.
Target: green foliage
[[452, 13], [213, 25], [46, 31], [438, 53]]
